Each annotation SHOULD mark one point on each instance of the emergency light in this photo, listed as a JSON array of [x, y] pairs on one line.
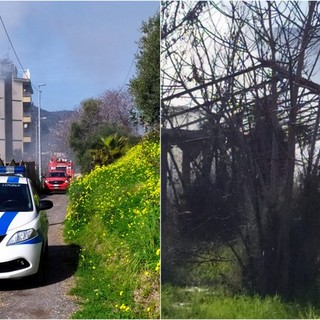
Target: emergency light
[[19, 170]]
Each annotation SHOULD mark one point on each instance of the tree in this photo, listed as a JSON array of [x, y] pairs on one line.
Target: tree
[[237, 78], [145, 87], [114, 147], [98, 118], [82, 132], [116, 108]]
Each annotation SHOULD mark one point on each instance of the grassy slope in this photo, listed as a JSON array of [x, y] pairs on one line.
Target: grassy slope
[[213, 290], [194, 303], [113, 215]]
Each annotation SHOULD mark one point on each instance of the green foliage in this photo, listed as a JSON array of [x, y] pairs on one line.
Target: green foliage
[[85, 134], [210, 287], [206, 303], [113, 214], [114, 146], [145, 87]]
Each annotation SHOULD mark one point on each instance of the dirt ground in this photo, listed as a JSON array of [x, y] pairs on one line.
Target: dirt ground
[[21, 299]]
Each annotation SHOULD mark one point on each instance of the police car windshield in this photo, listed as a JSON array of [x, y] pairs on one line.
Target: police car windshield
[[15, 197]]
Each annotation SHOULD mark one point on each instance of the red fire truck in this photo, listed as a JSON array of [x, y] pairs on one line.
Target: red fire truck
[[60, 164]]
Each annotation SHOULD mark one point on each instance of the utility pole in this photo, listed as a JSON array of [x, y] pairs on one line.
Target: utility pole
[[39, 131]]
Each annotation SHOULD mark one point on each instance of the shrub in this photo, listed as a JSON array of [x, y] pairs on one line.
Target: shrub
[[113, 214]]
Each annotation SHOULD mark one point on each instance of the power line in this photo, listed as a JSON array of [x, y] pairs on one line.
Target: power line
[[129, 71], [157, 11], [14, 50]]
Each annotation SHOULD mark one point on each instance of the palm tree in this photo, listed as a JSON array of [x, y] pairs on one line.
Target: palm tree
[[114, 146]]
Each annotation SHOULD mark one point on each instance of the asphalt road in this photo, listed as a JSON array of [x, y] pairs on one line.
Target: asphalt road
[[21, 299]]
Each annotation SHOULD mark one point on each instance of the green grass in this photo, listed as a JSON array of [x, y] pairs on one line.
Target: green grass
[[213, 290], [113, 215], [195, 303]]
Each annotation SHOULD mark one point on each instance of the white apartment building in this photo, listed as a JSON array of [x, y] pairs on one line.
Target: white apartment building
[[15, 113]]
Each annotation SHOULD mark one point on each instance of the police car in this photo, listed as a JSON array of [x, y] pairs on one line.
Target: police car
[[23, 226]]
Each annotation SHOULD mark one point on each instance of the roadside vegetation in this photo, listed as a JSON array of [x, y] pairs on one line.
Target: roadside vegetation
[[207, 303], [209, 288], [113, 215]]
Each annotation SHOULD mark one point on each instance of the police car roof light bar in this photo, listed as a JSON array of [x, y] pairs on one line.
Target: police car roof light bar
[[17, 170]]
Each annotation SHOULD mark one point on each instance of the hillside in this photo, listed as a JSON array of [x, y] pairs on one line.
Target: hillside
[[113, 215]]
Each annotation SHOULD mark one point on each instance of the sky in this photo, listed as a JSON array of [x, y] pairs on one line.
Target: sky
[[78, 49]]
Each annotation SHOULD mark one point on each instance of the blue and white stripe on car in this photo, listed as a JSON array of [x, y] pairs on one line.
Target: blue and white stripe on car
[[5, 220]]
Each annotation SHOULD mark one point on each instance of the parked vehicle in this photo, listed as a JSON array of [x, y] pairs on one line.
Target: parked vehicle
[[60, 164], [23, 226], [56, 181]]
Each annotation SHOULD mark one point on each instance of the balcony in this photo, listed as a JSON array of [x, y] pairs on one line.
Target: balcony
[[27, 93], [26, 139], [26, 119], [26, 99]]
